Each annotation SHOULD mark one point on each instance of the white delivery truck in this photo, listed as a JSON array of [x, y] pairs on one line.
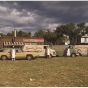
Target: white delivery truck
[[82, 49], [40, 49]]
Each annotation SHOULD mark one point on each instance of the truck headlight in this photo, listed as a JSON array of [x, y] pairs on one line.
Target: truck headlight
[[54, 53]]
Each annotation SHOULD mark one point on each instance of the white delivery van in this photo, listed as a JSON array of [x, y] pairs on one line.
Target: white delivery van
[[40, 49], [82, 49]]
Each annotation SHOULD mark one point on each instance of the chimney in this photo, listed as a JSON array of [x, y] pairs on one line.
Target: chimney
[[14, 33], [13, 39]]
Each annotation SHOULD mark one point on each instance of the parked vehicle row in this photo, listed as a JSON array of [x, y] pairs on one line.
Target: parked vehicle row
[[27, 52], [30, 52]]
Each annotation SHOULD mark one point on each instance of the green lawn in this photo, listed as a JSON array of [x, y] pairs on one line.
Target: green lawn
[[42, 72]]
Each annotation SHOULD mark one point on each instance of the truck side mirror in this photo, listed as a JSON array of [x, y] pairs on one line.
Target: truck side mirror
[[44, 47]]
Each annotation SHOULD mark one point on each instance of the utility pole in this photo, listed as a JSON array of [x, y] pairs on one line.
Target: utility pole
[[14, 36]]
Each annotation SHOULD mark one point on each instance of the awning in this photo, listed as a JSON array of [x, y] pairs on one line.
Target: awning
[[13, 44]]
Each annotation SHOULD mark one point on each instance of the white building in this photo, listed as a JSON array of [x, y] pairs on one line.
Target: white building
[[84, 39]]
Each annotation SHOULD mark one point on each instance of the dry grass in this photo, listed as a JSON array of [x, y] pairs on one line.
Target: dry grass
[[42, 72]]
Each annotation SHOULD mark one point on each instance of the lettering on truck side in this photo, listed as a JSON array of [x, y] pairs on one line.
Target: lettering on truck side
[[33, 48]]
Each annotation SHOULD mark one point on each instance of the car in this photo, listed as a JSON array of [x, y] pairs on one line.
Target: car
[[20, 54]]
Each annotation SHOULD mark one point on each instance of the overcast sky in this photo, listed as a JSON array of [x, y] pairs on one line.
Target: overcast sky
[[30, 16]]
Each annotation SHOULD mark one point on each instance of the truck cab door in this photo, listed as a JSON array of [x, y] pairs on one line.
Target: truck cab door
[[19, 54], [45, 50], [42, 52]]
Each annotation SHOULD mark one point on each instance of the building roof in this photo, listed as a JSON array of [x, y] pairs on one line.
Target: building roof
[[85, 36]]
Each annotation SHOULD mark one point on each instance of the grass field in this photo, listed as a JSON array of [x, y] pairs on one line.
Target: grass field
[[42, 72]]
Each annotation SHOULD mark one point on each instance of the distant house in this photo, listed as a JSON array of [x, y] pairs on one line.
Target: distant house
[[84, 39]]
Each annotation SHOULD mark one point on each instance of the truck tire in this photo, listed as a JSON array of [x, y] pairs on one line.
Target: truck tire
[[73, 55], [29, 57], [80, 54], [4, 57], [51, 56]]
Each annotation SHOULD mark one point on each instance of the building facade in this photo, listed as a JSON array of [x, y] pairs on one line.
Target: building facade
[[84, 39], [19, 42]]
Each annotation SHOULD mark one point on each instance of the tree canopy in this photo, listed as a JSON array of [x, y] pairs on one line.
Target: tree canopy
[[70, 31]]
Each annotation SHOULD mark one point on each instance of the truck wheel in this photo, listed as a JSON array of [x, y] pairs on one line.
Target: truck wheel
[[80, 54], [3, 57], [29, 57], [50, 56], [73, 55]]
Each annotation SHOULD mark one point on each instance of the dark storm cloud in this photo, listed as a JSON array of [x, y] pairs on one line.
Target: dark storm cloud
[[57, 9], [34, 15]]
